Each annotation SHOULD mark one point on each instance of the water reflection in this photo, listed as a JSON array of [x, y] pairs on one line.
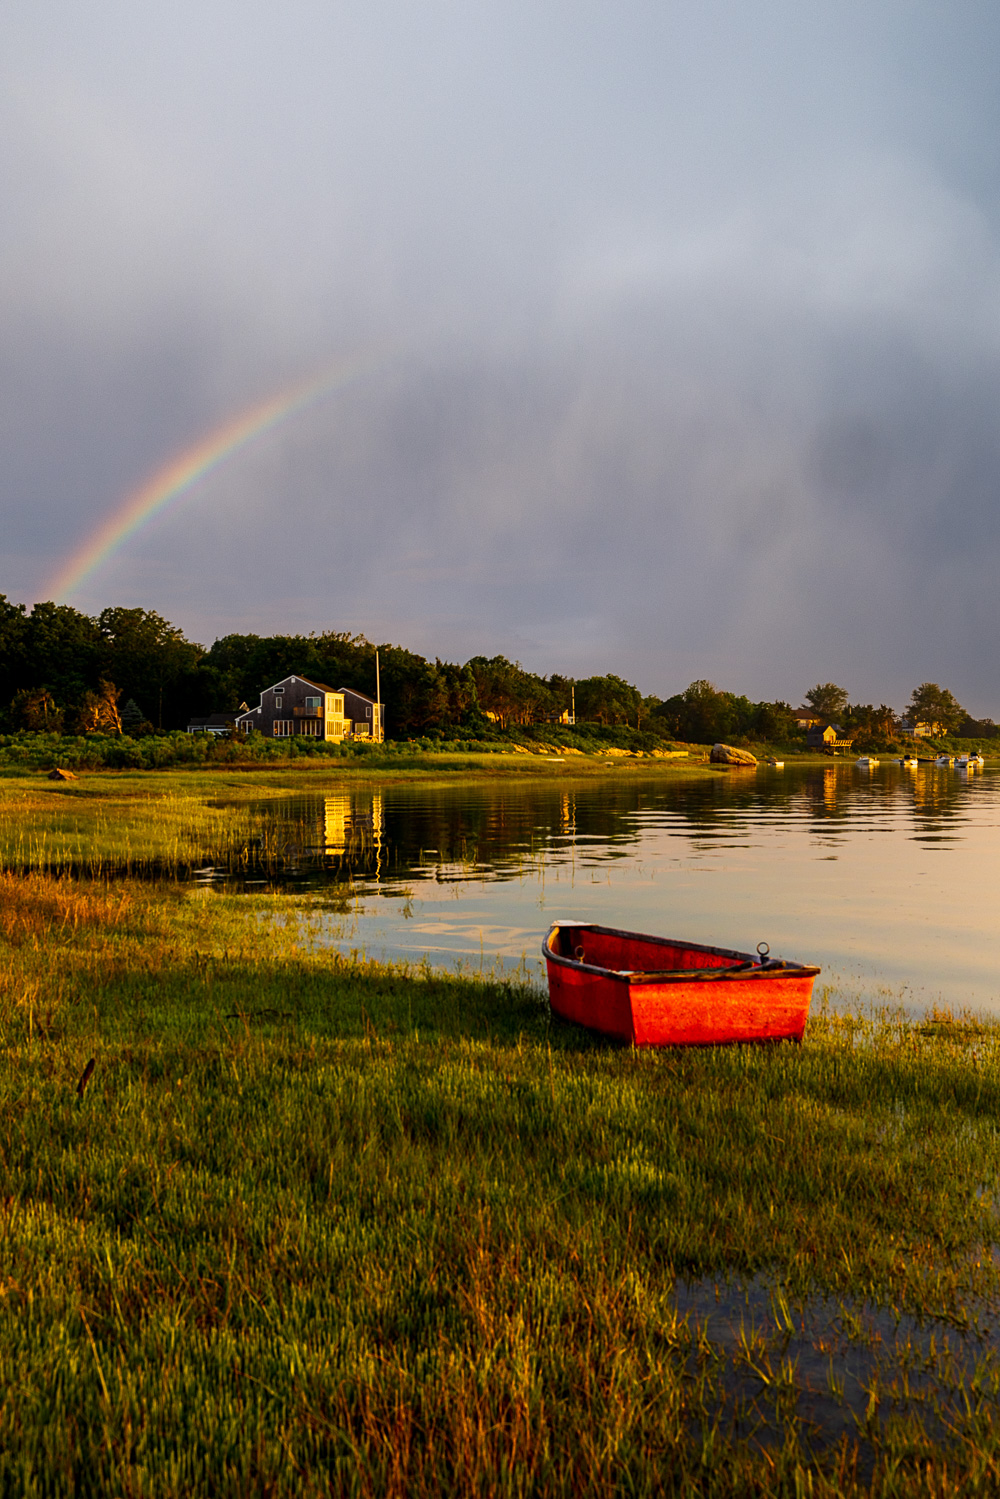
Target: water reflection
[[347, 831], [780, 1362], [494, 830], [888, 878]]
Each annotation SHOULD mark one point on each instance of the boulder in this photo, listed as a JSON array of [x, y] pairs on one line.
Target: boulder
[[724, 754], [61, 775]]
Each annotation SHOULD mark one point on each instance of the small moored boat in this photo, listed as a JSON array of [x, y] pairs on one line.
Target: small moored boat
[[866, 762], [971, 762], [654, 991], [909, 762], [945, 760]]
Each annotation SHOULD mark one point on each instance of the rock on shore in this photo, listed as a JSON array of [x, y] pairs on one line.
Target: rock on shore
[[725, 754]]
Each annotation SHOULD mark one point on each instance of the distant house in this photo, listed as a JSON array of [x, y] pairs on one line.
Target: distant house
[[807, 718], [300, 706], [828, 737], [921, 728], [215, 723]]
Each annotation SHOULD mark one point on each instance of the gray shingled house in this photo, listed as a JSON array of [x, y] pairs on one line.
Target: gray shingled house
[[298, 705]]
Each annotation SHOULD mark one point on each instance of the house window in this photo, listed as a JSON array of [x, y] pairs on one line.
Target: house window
[[314, 702], [277, 702], [311, 726], [283, 727], [368, 712], [245, 727]]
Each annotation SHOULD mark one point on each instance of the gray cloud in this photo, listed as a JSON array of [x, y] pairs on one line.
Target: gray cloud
[[689, 317]]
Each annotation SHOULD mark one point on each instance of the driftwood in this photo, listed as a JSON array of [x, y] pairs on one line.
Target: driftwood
[[725, 754], [61, 775]]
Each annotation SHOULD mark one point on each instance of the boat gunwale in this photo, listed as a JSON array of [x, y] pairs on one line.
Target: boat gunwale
[[748, 966]]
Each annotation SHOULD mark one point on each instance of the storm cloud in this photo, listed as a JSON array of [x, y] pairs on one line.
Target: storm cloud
[[682, 328]]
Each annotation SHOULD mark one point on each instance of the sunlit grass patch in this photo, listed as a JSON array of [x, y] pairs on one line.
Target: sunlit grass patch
[[35, 908]]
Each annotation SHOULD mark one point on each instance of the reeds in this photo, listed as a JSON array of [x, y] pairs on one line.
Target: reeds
[[317, 1226]]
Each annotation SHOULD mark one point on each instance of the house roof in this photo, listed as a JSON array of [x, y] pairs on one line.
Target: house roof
[[217, 719], [311, 682], [298, 677]]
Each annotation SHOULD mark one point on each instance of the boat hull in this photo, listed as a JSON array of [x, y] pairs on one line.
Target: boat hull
[[651, 991]]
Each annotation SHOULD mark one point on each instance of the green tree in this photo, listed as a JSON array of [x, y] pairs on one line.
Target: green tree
[[150, 658], [701, 714], [13, 630], [506, 690], [608, 700], [648, 707], [827, 700], [134, 721], [237, 668], [63, 651], [978, 728], [936, 707], [870, 722], [35, 708], [774, 721]]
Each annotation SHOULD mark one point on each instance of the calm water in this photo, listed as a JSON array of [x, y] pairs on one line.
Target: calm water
[[889, 879]]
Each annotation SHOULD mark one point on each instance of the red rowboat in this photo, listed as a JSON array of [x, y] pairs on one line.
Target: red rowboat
[[656, 992]]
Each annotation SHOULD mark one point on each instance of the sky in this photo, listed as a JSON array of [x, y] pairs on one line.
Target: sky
[[657, 338]]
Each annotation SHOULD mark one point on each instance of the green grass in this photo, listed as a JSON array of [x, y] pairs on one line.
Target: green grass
[[318, 1226], [28, 750]]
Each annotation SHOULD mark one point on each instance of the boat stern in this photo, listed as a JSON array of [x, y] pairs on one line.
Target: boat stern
[[582, 993]]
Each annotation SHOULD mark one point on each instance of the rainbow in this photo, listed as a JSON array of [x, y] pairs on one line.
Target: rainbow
[[183, 472]]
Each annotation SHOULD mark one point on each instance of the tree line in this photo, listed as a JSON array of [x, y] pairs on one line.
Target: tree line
[[131, 671]]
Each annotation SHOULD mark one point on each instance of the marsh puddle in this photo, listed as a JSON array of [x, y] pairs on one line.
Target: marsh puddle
[[834, 1371]]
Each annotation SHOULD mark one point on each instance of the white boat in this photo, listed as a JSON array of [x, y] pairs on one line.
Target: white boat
[[775, 764], [866, 762], [945, 760], [970, 762], [909, 762]]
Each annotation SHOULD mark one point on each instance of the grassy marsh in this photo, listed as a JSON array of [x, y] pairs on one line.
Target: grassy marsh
[[316, 1226], [145, 822]]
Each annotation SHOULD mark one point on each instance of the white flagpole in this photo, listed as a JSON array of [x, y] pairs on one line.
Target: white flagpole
[[378, 698]]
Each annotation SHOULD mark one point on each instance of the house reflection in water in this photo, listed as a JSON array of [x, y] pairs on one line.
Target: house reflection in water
[[350, 829]]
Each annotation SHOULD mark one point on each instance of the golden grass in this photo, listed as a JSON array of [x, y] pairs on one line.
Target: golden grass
[[35, 908]]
